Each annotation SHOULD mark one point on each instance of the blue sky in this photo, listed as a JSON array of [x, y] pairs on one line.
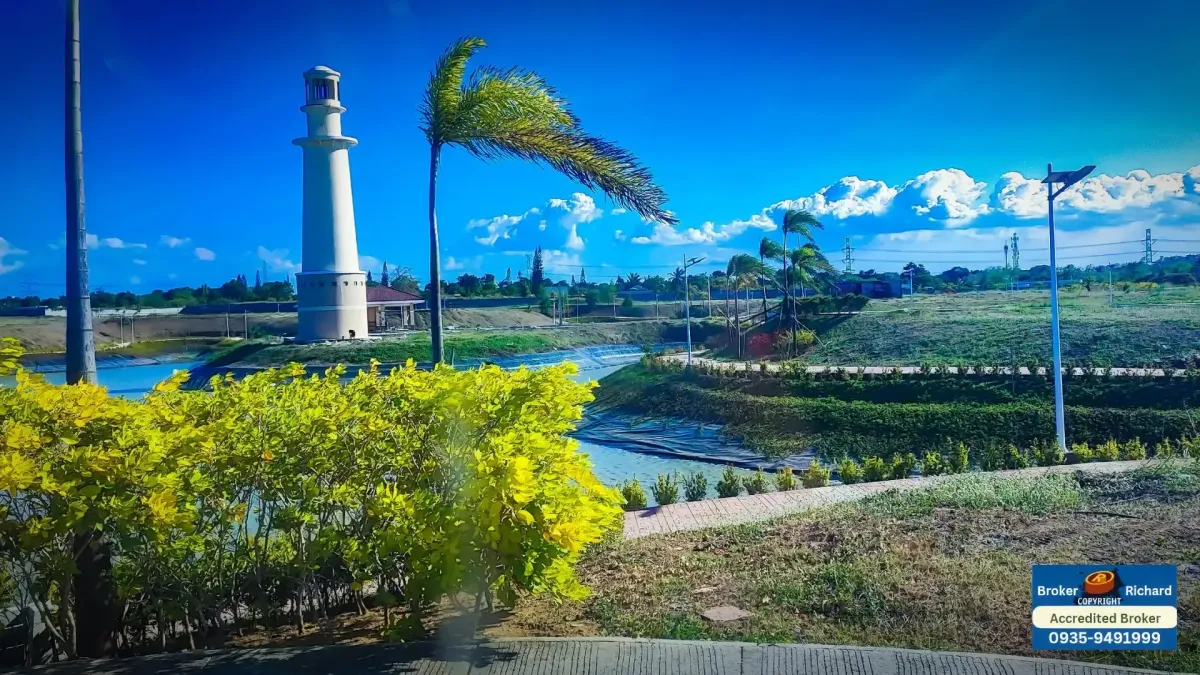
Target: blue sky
[[912, 129]]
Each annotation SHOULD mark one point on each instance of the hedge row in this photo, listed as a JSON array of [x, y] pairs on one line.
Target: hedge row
[[779, 425]]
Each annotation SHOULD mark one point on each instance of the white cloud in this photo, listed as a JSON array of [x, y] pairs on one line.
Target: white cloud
[[499, 227], [277, 260], [6, 250], [619, 211], [619, 235], [574, 241], [113, 242], [554, 260], [708, 233], [1023, 197], [205, 254], [174, 242], [948, 195], [850, 196], [579, 209], [1191, 181], [453, 264], [138, 261], [368, 262], [541, 226]]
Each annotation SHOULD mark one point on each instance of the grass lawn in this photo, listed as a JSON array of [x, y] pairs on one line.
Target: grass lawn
[[459, 345], [944, 568], [995, 328]]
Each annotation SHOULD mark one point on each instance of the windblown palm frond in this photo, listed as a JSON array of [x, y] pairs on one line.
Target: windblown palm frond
[[808, 262], [769, 249], [801, 222], [514, 113]]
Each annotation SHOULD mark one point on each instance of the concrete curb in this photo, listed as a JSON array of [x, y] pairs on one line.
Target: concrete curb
[[586, 656]]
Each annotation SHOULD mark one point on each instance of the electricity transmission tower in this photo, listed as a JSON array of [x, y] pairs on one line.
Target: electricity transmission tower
[[848, 258], [1016, 254], [1148, 254]]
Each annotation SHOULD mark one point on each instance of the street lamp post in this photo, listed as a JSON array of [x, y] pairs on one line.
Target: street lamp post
[[687, 299], [1066, 179]]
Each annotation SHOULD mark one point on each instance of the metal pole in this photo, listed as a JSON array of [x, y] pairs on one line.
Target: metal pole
[[246, 324], [687, 298], [227, 322], [1110, 298], [1059, 420]]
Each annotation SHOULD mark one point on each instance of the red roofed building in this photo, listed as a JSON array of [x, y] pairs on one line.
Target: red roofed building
[[388, 308]]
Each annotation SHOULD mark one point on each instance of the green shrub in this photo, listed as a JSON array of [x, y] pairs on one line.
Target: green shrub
[[1047, 453], [730, 484], [1106, 452], [960, 461], [785, 480], [875, 469], [695, 486], [933, 465], [757, 484], [1133, 449], [666, 489], [1083, 453], [635, 496], [992, 458], [1014, 458], [903, 465], [1164, 449], [815, 476], [849, 472], [1190, 447]]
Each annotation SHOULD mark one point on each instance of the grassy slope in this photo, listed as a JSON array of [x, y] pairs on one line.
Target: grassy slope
[[780, 425], [465, 345], [991, 328], [946, 568]]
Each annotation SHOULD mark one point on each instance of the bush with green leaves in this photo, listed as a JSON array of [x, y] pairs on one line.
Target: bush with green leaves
[[875, 469], [903, 465], [1106, 452], [1047, 453], [1190, 447], [635, 496], [849, 472], [960, 460], [1133, 449], [933, 465], [757, 484], [695, 486], [785, 480], [1164, 450], [666, 489], [1083, 453], [1014, 458], [815, 476], [992, 457], [730, 484]]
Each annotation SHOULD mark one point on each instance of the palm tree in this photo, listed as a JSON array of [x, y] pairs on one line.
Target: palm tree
[[802, 223], [742, 267], [807, 262], [677, 283], [496, 114], [768, 250]]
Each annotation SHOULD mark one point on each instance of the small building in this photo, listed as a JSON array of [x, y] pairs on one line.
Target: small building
[[388, 308], [872, 289]]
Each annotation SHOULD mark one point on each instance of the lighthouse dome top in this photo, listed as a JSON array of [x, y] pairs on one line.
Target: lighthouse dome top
[[321, 72]]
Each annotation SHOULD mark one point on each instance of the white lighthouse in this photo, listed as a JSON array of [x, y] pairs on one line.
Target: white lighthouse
[[331, 291]]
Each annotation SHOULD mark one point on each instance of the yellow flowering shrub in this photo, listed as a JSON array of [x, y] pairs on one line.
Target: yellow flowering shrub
[[285, 490]]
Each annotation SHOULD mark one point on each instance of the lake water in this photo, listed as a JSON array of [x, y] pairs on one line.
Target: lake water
[[619, 451]]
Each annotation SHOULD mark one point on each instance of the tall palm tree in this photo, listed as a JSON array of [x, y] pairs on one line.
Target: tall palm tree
[[768, 250], [801, 222], [496, 114], [743, 268], [807, 262]]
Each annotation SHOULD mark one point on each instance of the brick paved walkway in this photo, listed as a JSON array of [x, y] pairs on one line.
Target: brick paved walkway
[[752, 508]]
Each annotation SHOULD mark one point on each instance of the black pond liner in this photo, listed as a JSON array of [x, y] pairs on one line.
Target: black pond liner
[[678, 438]]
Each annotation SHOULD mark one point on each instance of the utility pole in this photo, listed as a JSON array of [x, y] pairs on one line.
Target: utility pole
[[1110, 294], [1148, 254], [81, 345], [848, 258], [246, 324], [226, 321], [710, 295], [1067, 179], [687, 295], [1007, 269]]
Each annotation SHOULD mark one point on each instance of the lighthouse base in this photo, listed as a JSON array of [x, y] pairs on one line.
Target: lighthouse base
[[331, 306]]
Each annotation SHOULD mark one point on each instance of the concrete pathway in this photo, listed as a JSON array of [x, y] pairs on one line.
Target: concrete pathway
[[774, 367], [585, 656], [686, 516]]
